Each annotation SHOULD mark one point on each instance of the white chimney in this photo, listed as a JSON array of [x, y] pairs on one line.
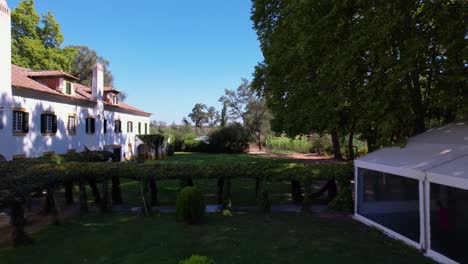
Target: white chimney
[[97, 95], [5, 53], [98, 82]]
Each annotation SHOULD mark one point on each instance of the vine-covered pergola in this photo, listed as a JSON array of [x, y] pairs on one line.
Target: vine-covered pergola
[[21, 178]]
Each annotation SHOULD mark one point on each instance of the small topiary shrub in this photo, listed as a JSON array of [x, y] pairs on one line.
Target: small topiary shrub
[[190, 205], [196, 259]]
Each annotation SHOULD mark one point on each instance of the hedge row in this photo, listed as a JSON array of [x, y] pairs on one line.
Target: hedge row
[[18, 179]]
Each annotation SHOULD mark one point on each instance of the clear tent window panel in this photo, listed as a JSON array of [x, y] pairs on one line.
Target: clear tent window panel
[[449, 221], [391, 201]]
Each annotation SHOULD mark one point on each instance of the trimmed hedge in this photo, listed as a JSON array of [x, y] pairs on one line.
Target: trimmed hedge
[[191, 145], [18, 179], [190, 205], [196, 259], [229, 139]]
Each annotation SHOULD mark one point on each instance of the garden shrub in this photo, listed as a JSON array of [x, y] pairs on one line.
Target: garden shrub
[[230, 139], [191, 145], [343, 201], [170, 149], [196, 259], [190, 205], [321, 144], [298, 144], [263, 199], [179, 144]]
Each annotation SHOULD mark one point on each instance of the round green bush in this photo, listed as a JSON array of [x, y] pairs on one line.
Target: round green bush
[[196, 259], [190, 205]]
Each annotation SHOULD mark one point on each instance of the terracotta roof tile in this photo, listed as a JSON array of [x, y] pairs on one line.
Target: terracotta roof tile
[[50, 74], [20, 77], [129, 107]]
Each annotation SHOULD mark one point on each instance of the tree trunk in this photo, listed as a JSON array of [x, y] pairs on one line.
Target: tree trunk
[[83, 197], [336, 146], [220, 195], [190, 181], [227, 194], [263, 200], [332, 190], [116, 191], [417, 103], [144, 197], [105, 201], [153, 192], [371, 140], [351, 153], [184, 182], [17, 221], [257, 187], [49, 203], [296, 192], [69, 192], [259, 140], [95, 191]]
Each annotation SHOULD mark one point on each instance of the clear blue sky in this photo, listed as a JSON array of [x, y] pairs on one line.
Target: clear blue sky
[[167, 55]]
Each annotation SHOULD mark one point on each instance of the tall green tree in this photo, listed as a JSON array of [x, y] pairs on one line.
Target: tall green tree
[[224, 117], [383, 70], [199, 115], [212, 116], [83, 63], [250, 108], [37, 40]]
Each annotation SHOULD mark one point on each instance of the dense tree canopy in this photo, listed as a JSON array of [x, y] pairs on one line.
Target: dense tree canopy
[[83, 63], [37, 40], [384, 70], [37, 44]]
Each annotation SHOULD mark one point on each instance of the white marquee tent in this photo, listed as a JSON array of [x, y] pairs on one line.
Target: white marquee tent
[[419, 193]]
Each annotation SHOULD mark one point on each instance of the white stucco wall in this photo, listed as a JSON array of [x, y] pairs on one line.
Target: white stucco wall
[[34, 143], [5, 71]]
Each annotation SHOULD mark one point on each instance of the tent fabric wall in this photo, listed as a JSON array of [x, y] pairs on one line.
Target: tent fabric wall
[[438, 160]]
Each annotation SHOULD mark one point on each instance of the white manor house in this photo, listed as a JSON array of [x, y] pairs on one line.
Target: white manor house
[[49, 112]]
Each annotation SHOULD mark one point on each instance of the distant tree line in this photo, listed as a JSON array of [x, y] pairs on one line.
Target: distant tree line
[[383, 70], [241, 106]]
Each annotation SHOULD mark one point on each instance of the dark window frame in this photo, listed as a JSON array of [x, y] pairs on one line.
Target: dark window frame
[[129, 127], [90, 125], [45, 119], [24, 122], [68, 88], [118, 126], [69, 128]]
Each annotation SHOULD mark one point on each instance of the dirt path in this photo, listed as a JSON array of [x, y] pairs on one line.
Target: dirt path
[[310, 158]]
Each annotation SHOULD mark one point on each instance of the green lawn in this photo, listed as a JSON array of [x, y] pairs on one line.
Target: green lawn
[[211, 158], [242, 238], [242, 191]]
